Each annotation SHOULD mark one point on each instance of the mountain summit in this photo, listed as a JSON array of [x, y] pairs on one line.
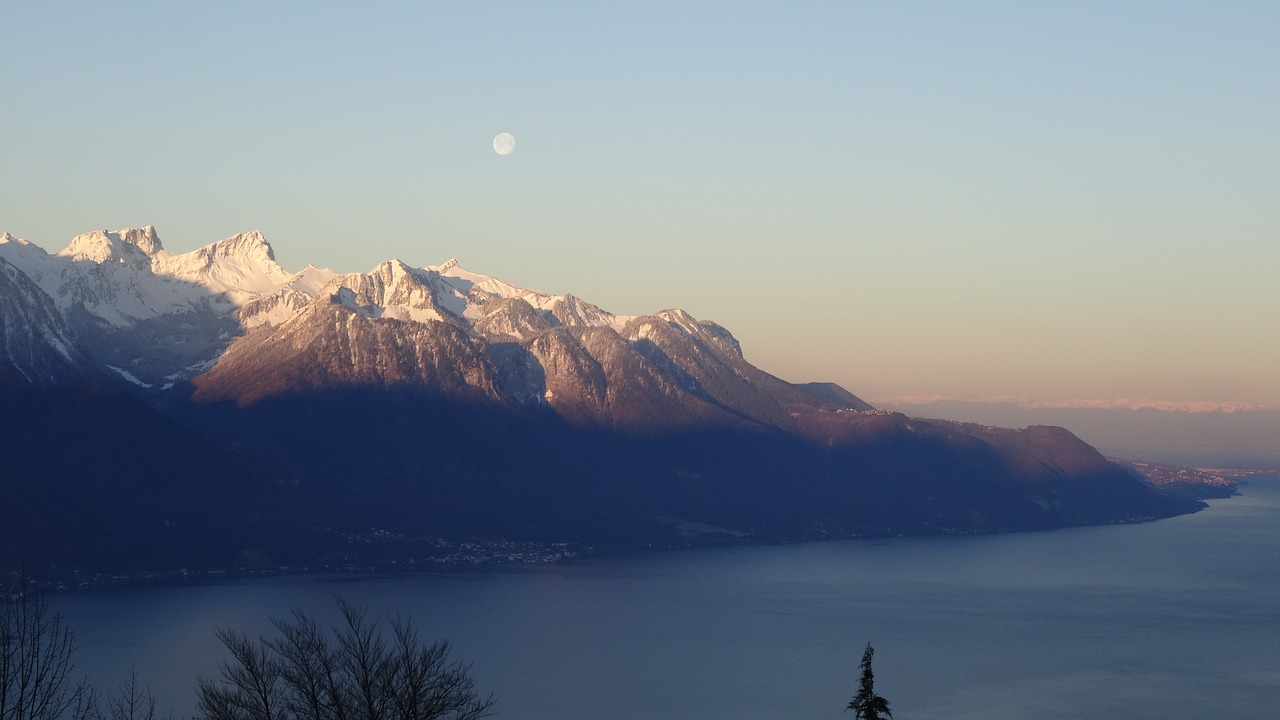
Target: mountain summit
[[442, 402], [154, 317]]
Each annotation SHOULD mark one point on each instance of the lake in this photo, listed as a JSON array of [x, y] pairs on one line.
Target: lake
[[1172, 619]]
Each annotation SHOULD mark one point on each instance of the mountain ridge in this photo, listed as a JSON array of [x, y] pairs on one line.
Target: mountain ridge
[[441, 400]]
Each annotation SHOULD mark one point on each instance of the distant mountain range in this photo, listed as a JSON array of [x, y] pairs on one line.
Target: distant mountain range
[[211, 409], [1223, 435]]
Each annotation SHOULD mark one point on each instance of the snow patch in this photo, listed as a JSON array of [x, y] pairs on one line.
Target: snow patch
[[310, 279], [129, 376], [198, 368]]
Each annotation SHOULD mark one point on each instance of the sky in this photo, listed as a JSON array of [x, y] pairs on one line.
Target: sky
[[1053, 201]]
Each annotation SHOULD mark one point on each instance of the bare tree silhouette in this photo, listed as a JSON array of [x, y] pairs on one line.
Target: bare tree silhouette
[[354, 672]]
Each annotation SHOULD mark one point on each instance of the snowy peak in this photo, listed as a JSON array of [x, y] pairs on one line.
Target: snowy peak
[[248, 246], [24, 255], [127, 275], [666, 321], [676, 316], [103, 245], [131, 246], [155, 317], [700, 330], [575, 312], [310, 279], [482, 291], [145, 239], [241, 265], [396, 290], [465, 281]]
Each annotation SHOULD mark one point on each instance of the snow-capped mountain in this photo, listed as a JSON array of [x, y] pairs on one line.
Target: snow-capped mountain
[[154, 317], [467, 334], [229, 318], [438, 401]]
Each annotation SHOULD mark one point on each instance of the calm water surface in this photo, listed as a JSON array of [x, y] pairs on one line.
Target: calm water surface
[[1173, 619]]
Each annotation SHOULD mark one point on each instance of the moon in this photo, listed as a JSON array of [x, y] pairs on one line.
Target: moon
[[504, 143]]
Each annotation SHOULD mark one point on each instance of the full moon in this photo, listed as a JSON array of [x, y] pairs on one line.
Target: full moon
[[504, 143]]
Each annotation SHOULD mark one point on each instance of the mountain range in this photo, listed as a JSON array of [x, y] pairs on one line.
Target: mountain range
[[211, 409], [1221, 435]]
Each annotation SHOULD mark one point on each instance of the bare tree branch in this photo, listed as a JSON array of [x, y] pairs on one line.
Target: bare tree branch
[[130, 701], [356, 671], [35, 665]]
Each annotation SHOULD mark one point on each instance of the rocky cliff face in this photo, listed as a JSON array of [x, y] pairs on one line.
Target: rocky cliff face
[[36, 343]]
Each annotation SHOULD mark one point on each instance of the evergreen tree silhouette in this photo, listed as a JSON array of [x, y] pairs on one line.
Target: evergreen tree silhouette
[[866, 704]]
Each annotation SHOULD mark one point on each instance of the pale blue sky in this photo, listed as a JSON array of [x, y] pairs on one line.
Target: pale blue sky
[[1050, 200]]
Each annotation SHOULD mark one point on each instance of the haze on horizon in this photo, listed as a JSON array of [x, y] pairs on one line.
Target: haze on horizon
[[1058, 203]]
